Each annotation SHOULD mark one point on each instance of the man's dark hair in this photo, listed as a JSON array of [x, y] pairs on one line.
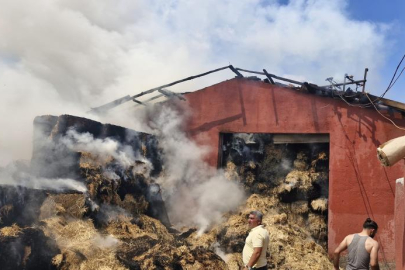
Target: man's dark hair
[[370, 224], [257, 214]]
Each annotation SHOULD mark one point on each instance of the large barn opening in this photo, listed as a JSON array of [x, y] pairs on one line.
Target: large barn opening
[[292, 169]]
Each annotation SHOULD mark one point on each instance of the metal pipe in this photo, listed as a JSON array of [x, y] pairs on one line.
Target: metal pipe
[[110, 105], [268, 76], [365, 77], [238, 74], [344, 81], [152, 98], [340, 84], [271, 75], [179, 81]]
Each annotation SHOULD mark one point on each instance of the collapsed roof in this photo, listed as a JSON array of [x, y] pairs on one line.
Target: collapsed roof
[[334, 90]]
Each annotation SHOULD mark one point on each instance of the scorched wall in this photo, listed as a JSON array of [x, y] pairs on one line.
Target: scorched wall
[[359, 186]]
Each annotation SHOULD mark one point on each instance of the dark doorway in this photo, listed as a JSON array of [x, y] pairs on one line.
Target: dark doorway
[[292, 168]]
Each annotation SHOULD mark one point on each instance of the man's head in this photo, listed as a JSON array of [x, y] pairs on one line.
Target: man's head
[[255, 219], [371, 227]]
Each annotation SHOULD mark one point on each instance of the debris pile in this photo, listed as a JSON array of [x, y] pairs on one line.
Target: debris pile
[[119, 220]]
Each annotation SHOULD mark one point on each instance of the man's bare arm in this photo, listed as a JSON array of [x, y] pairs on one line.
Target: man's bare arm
[[255, 256], [342, 246], [374, 257]]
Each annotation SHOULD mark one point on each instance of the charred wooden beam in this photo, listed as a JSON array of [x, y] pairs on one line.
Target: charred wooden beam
[[268, 76], [113, 104], [340, 84], [391, 103], [152, 98], [137, 101], [235, 70], [365, 79], [179, 81], [171, 94], [271, 75], [110, 105]]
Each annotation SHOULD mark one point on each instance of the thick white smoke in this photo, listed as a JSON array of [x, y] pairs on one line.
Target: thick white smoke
[[65, 56], [195, 193], [14, 175], [102, 149]]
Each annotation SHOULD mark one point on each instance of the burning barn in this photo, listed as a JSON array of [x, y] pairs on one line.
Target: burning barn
[[100, 196], [316, 148]]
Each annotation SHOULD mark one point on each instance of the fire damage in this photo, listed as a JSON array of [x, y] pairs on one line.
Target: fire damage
[[118, 222], [119, 219], [289, 182]]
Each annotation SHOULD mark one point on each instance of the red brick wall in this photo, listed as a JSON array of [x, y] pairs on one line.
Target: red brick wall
[[359, 186]]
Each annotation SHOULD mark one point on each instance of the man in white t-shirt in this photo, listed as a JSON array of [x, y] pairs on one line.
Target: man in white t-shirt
[[254, 251]]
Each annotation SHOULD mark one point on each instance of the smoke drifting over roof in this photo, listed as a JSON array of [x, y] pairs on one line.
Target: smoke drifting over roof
[[65, 56]]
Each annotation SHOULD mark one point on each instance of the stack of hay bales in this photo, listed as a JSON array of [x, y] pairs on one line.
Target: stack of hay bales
[[112, 226], [294, 206], [117, 234]]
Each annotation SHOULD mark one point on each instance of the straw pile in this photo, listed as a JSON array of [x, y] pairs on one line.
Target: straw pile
[[111, 226], [82, 247], [72, 205], [294, 204], [11, 231], [117, 234], [291, 246], [320, 204]]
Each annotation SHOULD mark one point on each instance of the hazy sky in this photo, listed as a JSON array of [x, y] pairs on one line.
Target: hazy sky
[[65, 56]]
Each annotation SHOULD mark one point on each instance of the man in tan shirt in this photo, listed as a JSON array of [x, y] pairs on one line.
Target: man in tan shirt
[[254, 251]]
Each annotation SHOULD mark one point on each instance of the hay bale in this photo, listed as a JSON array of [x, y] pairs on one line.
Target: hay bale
[[259, 202], [250, 178], [154, 226], [300, 165], [299, 179], [275, 219], [72, 205], [81, 245], [76, 234], [11, 231], [103, 260], [317, 226], [234, 261], [231, 171], [299, 207], [205, 240], [320, 204], [133, 205]]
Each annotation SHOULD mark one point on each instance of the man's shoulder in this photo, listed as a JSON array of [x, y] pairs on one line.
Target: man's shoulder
[[349, 238], [372, 241], [262, 229]]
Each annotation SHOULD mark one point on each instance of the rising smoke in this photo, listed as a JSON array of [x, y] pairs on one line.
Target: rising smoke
[[65, 56], [14, 175], [195, 193], [102, 149]]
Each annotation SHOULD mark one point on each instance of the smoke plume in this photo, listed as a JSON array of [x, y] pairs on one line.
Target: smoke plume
[[65, 56], [16, 175], [195, 193], [101, 149]]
